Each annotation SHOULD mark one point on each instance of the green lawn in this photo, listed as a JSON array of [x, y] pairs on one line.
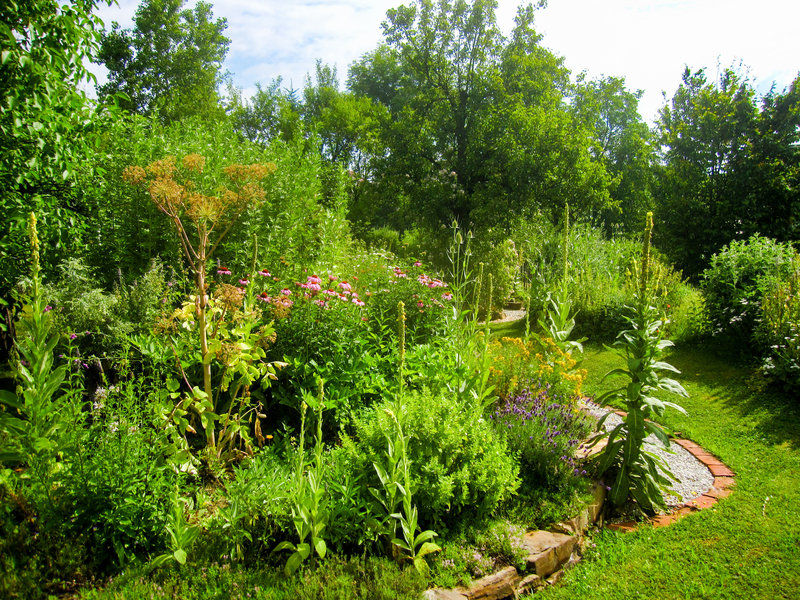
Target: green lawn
[[748, 545]]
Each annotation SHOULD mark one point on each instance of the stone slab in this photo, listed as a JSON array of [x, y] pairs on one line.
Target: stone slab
[[495, 586], [542, 563], [529, 584]]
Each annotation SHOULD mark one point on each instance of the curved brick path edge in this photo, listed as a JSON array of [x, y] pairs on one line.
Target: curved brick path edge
[[724, 480]]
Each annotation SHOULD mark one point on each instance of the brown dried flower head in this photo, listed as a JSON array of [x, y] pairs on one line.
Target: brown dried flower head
[[134, 175], [167, 194], [163, 168], [194, 163], [200, 207], [230, 296]]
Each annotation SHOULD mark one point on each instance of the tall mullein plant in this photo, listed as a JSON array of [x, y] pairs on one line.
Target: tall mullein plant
[[559, 321], [640, 474], [35, 418]]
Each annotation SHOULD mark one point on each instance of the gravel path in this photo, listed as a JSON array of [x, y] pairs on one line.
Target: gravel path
[[510, 315], [694, 478]]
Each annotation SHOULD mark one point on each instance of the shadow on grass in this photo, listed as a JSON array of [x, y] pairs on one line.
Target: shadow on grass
[[775, 415]]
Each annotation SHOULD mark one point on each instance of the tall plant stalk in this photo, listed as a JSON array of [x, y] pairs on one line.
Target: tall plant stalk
[[639, 474], [176, 191]]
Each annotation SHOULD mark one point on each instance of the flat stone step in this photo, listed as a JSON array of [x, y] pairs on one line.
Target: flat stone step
[[547, 551]]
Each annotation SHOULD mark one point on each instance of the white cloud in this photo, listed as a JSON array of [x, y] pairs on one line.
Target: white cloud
[[646, 41]]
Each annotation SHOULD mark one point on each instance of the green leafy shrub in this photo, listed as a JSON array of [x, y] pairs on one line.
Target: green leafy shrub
[[735, 282], [778, 330], [301, 221], [457, 462], [118, 483]]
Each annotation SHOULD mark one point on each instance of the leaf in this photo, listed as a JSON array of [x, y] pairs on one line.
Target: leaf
[[293, 563], [180, 556], [424, 537], [620, 489], [428, 548], [320, 547], [10, 399], [664, 366], [284, 546], [422, 567]]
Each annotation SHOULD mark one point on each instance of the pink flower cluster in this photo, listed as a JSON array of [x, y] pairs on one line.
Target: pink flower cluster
[[430, 282]]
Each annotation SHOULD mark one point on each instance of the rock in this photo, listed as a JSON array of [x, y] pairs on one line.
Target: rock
[[493, 587], [537, 542], [555, 577], [595, 509], [543, 563], [440, 594], [529, 584]]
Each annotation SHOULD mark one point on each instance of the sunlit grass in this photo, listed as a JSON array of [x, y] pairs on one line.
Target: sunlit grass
[[748, 545]]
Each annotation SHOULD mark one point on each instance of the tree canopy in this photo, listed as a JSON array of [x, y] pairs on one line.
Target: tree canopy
[[474, 119], [729, 166], [169, 64]]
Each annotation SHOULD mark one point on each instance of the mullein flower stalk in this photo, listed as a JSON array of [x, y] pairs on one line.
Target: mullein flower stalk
[[565, 249], [645, 272], [401, 334]]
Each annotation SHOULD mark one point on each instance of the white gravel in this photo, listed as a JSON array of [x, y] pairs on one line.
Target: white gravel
[[694, 478]]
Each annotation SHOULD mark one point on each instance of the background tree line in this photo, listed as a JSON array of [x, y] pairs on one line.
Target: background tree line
[[446, 119]]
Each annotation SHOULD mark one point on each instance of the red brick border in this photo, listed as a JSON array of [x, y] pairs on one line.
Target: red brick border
[[724, 480]]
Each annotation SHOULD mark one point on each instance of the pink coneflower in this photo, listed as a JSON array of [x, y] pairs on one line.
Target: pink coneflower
[[320, 302], [244, 281], [357, 302], [223, 271], [421, 304], [345, 287], [417, 264], [314, 280], [332, 277], [263, 297], [264, 273], [286, 292], [314, 287], [447, 296]]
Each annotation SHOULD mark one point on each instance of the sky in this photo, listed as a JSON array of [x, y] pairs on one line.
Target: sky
[[648, 42]]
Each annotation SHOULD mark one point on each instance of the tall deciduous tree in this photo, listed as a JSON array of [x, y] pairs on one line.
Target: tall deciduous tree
[[43, 118], [730, 167], [170, 63], [624, 144], [478, 128]]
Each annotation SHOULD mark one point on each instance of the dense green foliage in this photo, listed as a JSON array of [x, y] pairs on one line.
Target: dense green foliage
[[249, 347], [44, 120], [169, 64], [730, 166]]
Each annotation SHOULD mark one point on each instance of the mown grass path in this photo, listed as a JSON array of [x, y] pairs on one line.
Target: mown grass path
[[747, 545]]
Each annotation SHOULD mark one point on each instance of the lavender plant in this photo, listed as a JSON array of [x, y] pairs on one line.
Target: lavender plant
[[545, 430]]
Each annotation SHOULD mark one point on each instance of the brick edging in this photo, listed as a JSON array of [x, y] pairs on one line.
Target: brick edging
[[724, 480]]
